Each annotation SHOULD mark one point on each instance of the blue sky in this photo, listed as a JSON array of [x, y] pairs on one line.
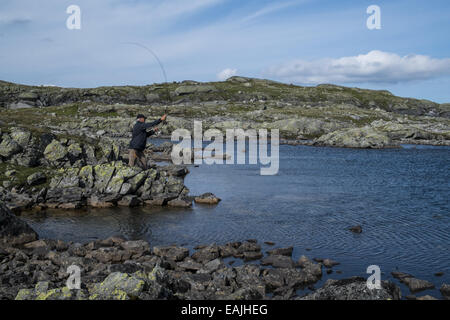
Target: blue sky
[[305, 42]]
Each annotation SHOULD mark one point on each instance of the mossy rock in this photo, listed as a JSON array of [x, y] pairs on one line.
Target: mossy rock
[[55, 151]]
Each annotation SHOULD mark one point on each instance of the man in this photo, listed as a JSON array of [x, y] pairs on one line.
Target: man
[[139, 140]]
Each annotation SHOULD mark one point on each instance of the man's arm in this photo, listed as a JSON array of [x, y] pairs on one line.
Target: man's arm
[[152, 124], [155, 123]]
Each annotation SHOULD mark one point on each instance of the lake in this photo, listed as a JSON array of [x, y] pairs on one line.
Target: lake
[[400, 197]]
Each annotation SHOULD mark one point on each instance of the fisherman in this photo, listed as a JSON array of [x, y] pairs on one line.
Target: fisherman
[[139, 140]]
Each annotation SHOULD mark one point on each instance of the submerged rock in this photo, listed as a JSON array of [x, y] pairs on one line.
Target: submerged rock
[[356, 229]]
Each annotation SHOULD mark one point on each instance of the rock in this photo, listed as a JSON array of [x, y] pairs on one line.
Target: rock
[[274, 279], [416, 285], [103, 174], [171, 252], [10, 173], [96, 202], [356, 229], [206, 254], [401, 275], [55, 151], [14, 231], [28, 96], [179, 202], [118, 286], [36, 244], [212, 266], [138, 247], [330, 263], [248, 246], [21, 136], [252, 255], [354, 289], [281, 251], [207, 198], [445, 291], [190, 265], [298, 279], [309, 267], [9, 147], [278, 261], [190, 89], [427, 297], [365, 137], [41, 292], [36, 179], [129, 201]]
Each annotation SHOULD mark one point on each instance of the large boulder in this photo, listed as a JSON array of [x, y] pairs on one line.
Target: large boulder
[[21, 136], [14, 231], [55, 151], [354, 289], [9, 147], [365, 137]]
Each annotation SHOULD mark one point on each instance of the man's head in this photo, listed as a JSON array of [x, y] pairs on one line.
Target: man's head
[[141, 118]]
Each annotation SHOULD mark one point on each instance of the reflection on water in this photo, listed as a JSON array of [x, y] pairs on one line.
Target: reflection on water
[[399, 196]]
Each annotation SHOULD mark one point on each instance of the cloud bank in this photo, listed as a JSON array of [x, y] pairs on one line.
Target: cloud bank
[[226, 73], [373, 67]]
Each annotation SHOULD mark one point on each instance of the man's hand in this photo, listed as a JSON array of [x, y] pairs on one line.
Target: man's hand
[[156, 129], [163, 118]]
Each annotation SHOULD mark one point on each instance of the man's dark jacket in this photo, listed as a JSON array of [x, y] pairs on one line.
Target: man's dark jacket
[[140, 134]]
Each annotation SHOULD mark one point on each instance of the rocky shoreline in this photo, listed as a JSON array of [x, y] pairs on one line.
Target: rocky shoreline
[[119, 269]]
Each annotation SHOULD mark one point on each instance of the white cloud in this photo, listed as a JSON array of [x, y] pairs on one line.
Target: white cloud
[[374, 67], [226, 73], [271, 8]]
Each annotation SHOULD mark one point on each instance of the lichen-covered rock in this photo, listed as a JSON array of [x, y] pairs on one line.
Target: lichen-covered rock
[[86, 176], [118, 286], [9, 147], [21, 136], [41, 292], [122, 175], [365, 137], [103, 174], [55, 151]]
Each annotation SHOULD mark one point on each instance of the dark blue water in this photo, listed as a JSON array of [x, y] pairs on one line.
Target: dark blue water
[[399, 196]]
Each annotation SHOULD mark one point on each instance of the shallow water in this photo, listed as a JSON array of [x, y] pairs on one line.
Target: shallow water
[[399, 196]]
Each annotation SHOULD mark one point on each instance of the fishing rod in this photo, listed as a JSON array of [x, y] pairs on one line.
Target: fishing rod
[[166, 84]]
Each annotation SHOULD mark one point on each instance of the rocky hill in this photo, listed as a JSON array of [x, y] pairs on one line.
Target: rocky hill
[[323, 115]]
